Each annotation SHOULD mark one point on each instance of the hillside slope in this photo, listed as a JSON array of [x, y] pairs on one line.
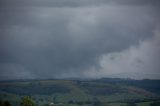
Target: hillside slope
[[104, 90]]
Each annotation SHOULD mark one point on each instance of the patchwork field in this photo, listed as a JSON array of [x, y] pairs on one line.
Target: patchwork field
[[100, 92]]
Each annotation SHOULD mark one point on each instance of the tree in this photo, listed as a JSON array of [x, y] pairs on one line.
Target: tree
[[155, 104], [27, 101], [1, 103], [6, 103]]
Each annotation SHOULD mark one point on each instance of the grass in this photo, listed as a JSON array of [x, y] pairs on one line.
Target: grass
[[77, 92], [144, 104]]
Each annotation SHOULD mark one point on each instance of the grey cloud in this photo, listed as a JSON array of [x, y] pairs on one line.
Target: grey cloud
[[136, 62], [69, 40], [73, 3], [14, 71]]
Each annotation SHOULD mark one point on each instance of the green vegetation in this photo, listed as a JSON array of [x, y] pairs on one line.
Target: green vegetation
[[5, 103], [27, 101], [102, 92]]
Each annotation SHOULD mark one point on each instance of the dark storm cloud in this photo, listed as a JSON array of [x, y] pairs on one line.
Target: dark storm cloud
[[75, 3], [65, 38]]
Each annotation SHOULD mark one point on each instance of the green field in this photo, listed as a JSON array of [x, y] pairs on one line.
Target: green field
[[81, 93]]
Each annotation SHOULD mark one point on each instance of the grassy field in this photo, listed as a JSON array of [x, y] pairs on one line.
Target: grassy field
[[77, 93]]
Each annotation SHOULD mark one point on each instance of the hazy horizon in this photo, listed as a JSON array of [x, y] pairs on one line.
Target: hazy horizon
[[79, 39]]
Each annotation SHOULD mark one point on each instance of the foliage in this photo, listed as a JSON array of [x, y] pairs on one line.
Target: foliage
[[27, 101], [36, 89], [81, 92], [101, 89], [155, 104], [5, 103]]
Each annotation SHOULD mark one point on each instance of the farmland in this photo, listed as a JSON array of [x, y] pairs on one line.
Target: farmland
[[98, 92]]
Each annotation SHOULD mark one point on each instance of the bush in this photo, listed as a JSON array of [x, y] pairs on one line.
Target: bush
[[27, 101]]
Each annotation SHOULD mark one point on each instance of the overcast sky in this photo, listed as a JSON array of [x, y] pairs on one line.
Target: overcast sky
[[79, 38]]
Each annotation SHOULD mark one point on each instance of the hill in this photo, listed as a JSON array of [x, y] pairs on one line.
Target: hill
[[105, 90]]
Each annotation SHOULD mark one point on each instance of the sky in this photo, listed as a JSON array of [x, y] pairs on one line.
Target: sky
[[79, 39]]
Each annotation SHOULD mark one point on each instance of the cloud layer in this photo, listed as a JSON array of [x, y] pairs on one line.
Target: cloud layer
[[58, 39]]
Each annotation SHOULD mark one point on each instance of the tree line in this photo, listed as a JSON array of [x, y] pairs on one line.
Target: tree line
[[27, 101]]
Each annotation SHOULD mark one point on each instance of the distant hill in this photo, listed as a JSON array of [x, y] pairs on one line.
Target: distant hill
[[105, 90]]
